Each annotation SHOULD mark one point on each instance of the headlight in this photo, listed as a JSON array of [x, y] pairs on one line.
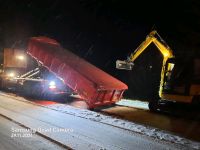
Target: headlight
[[20, 57], [11, 74], [52, 85]]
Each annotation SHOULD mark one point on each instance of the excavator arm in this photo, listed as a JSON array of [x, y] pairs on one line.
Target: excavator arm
[[160, 44]]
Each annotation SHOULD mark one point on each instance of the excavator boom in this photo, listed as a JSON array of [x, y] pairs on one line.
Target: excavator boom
[[152, 37], [159, 42]]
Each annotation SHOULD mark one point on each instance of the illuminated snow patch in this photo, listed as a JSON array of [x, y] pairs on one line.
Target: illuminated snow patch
[[133, 103]]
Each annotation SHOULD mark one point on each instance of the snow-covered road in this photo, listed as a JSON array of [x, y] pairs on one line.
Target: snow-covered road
[[72, 127], [10, 141]]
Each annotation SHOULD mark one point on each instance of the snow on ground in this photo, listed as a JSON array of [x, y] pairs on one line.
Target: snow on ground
[[145, 130], [135, 104], [142, 129]]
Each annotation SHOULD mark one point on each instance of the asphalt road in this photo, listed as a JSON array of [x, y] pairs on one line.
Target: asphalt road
[[84, 133], [15, 137]]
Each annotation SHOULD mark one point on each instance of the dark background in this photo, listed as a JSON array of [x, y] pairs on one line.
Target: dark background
[[102, 31]]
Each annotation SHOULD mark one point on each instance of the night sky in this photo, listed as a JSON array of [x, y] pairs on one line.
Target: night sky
[[102, 31]]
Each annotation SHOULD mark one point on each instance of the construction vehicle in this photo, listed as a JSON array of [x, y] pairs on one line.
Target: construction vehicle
[[60, 71], [13, 64], [180, 78], [17, 75]]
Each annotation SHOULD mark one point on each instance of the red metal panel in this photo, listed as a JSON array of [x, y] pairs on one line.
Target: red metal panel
[[41, 55], [47, 60], [55, 65], [94, 85], [34, 50], [60, 69]]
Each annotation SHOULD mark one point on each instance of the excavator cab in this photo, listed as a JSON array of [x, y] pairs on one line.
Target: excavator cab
[[180, 75], [168, 77]]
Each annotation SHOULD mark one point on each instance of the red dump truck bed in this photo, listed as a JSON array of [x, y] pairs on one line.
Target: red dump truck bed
[[95, 86]]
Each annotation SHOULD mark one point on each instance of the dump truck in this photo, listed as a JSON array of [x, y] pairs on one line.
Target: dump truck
[[14, 64], [74, 74], [180, 77]]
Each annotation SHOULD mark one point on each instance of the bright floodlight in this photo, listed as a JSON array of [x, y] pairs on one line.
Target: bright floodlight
[[20, 57], [52, 85], [12, 74]]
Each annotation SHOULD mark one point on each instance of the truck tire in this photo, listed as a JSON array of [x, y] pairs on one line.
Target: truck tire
[[32, 89], [153, 105], [27, 89]]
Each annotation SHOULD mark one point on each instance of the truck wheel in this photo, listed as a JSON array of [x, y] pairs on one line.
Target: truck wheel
[[153, 105], [26, 89]]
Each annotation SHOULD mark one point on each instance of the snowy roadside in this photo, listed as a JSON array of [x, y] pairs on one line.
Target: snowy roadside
[[135, 104], [145, 130], [130, 126]]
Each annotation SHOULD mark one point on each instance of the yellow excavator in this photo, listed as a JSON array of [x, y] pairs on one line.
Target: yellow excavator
[[180, 78]]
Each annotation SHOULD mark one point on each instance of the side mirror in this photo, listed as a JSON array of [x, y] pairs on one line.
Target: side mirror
[[124, 65]]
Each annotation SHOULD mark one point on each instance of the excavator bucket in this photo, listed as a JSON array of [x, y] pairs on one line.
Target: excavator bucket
[[124, 65]]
